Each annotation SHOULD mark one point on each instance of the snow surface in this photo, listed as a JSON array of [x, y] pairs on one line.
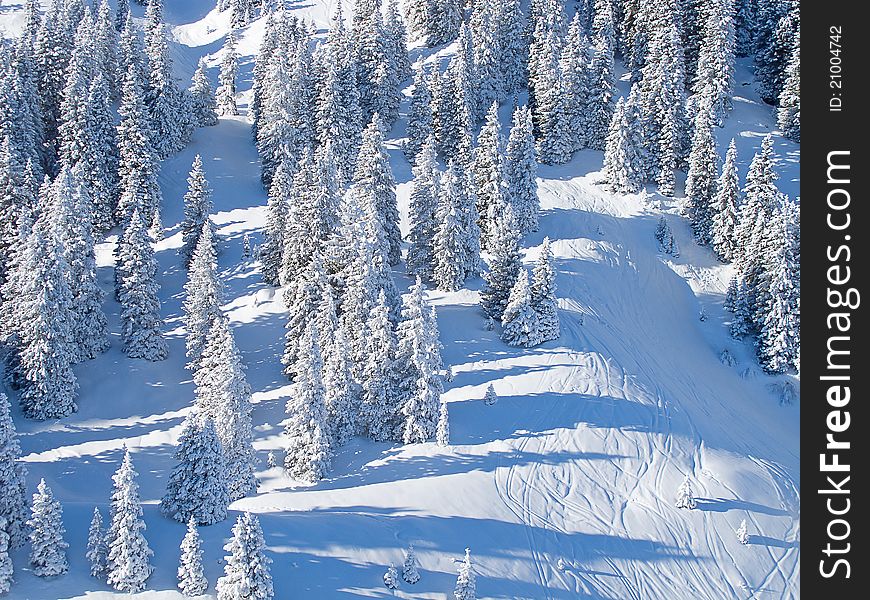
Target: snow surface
[[563, 489]]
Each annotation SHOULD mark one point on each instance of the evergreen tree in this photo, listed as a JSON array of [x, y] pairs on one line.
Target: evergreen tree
[[665, 238], [342, 392], [203, 103], [743, 533], [777, 45], [442, 431], [13, 495], [409, 567], [435, 22], [424, 212], [521, 169], [128, 564], [203, 297], [520, 321], [417, 362], [191, 579], [223, 393], [420, 123], [489, 175], [197, 487], [309, 454], [451, 264], [552, 120], [685, 495], [788, 117], [140, 305], [226, 91], [197, 207], [451, 118], [391, 578], [272, 249], [543, 294], [623, 169], [574, 72], [726, 207], [6, 568], [246, 574], [602, 88], [504, 266], [465, 582], [379, 409], [701, 180], [96, 553], [490, 398], [48, 548], [101, 169], [715, 68]]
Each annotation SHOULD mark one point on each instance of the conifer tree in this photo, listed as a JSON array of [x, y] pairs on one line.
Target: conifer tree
[[715, 65], [775, 49], [574, 73], [342, 392], [504, 266], [602, 87], [391, 578], [552, 120], [490, 398], [13, 495], [246, 574], [197, 208], [520, 321], [309, 454], [442, 431], [623, 169], [272, 249], [451, 265], [424, 212], [743, 533], [140, 305], [489, 174], [191, 579], [726, 207], [226, 91], [701, 179], [465, 583], [6, 568], [203, 103], [409, 566], [101, 169], [420, 123], [197, 487], [521, 169], [685, 495], [48, 548], [543, 294], [128, 563], [96, 552], [788, 117], [451, 119], [203, 297], [379, 410]]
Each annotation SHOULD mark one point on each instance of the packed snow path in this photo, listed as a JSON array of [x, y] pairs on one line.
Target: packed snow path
[[563, 489]]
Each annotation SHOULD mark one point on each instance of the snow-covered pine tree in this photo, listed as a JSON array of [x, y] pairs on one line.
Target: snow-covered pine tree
[[602, 84], [418, 384], [715, 68], [373, 179], [701, 179], [424, 211], [623, 168], [743, 533], [665, 238], [396, 37], [465, 582], [379, 410], [726, 207], [550, 110], [520, 321], [191, 579], [342, 392], [543, 291], [128, 562], [203, 296], [6, 567], [489, 170], [777, 44], [451, 117], [521, 170], [197, 208], [197, 487], [273, 35], [102, 167], [685, 495], [96, 549], [442, 431], [223, 393], [377, 66], [788, 116], [246, 573], [453, 263], [226, 91], [490, 397], [574, 74], [435, 22], [409, 566], [140, 305], [391, 577], [504, 264], [203, 102], [309, 455], [48, 548], [420, 124], [13, 494], [277, 209], [303, 298]]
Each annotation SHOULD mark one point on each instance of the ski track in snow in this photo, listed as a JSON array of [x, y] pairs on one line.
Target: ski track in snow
[[579, 460]]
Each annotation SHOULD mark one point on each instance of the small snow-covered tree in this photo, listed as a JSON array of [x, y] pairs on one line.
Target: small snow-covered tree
[[96, 551], [197, 208], [309, 455], [465, 582], [543, 292], [6, 568], [685, 495], [665, 238], [520, 321], [743, 533], [246, 574], [490, 397], [203, 103], [197, 487], [442, 432], [48, 548], [409, 566], [191, 579], [226, 91], [128, 562], [521, 169], [504, 265], [391, 578], [13, 495], [726, 207]]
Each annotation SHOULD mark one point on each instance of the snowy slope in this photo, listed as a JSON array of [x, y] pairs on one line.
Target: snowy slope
[[575, 466]]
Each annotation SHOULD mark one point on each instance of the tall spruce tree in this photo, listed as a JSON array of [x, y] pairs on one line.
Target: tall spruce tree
[[701, 179], [424, 211], [726, 207], [96, 550], [13, 494], [47, 546], [521, 169], [128, 564], [226, 91], [520, 320], [191, 579], [543, 294], [504, 264], [246, 574], [197, 208]]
